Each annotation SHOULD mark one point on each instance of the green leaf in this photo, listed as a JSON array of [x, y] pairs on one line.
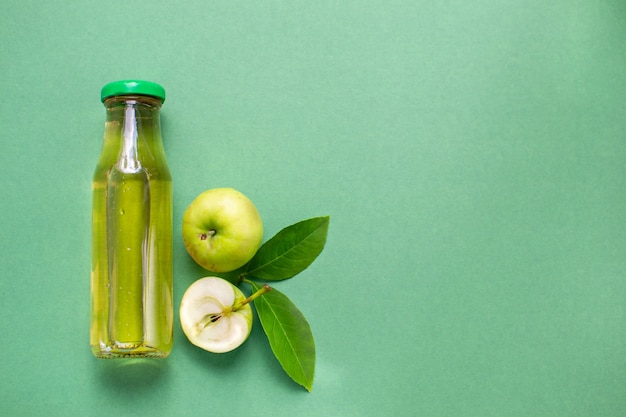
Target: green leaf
[[290, 251], [289, 335]]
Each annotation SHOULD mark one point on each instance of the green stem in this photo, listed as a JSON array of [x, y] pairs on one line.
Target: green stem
[[212, 318], [264, 289]]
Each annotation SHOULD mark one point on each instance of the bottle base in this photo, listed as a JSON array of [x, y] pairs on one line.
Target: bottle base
[[127, 350]]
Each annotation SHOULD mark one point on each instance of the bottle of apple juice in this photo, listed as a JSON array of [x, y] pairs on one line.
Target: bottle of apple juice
[[131, 269]]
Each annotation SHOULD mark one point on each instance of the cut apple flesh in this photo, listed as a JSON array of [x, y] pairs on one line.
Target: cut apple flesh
[[208, 318]]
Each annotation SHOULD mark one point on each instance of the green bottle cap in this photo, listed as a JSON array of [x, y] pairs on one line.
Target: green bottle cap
[[131, 87]]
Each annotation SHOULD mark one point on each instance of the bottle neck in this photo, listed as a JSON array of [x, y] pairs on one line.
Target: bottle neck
[[136, 123], [146, 109]]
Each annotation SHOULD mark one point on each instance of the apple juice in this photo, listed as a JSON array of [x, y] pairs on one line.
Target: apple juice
[[131, 272]]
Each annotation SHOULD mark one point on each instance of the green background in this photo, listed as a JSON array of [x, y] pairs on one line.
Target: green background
[[470, 154]]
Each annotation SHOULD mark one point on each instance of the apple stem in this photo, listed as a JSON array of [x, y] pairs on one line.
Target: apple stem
[[266, 288], [212, 318], [208, 234]]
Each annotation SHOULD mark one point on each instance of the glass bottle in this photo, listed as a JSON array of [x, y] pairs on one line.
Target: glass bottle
[[131, 270]]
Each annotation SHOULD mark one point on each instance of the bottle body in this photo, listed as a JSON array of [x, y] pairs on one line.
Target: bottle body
[[131, 274]]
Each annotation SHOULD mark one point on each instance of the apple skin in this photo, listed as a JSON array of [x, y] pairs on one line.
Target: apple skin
[[222, 229], [207, 298]]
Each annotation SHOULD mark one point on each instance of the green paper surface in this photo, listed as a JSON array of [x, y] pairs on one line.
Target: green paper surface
[[471, 155]]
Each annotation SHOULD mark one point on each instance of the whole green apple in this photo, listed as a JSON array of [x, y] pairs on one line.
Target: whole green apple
[[222, 229], [215, 315]]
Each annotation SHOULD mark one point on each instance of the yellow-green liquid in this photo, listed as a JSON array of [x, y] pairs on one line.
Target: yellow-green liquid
[[131, 278]]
